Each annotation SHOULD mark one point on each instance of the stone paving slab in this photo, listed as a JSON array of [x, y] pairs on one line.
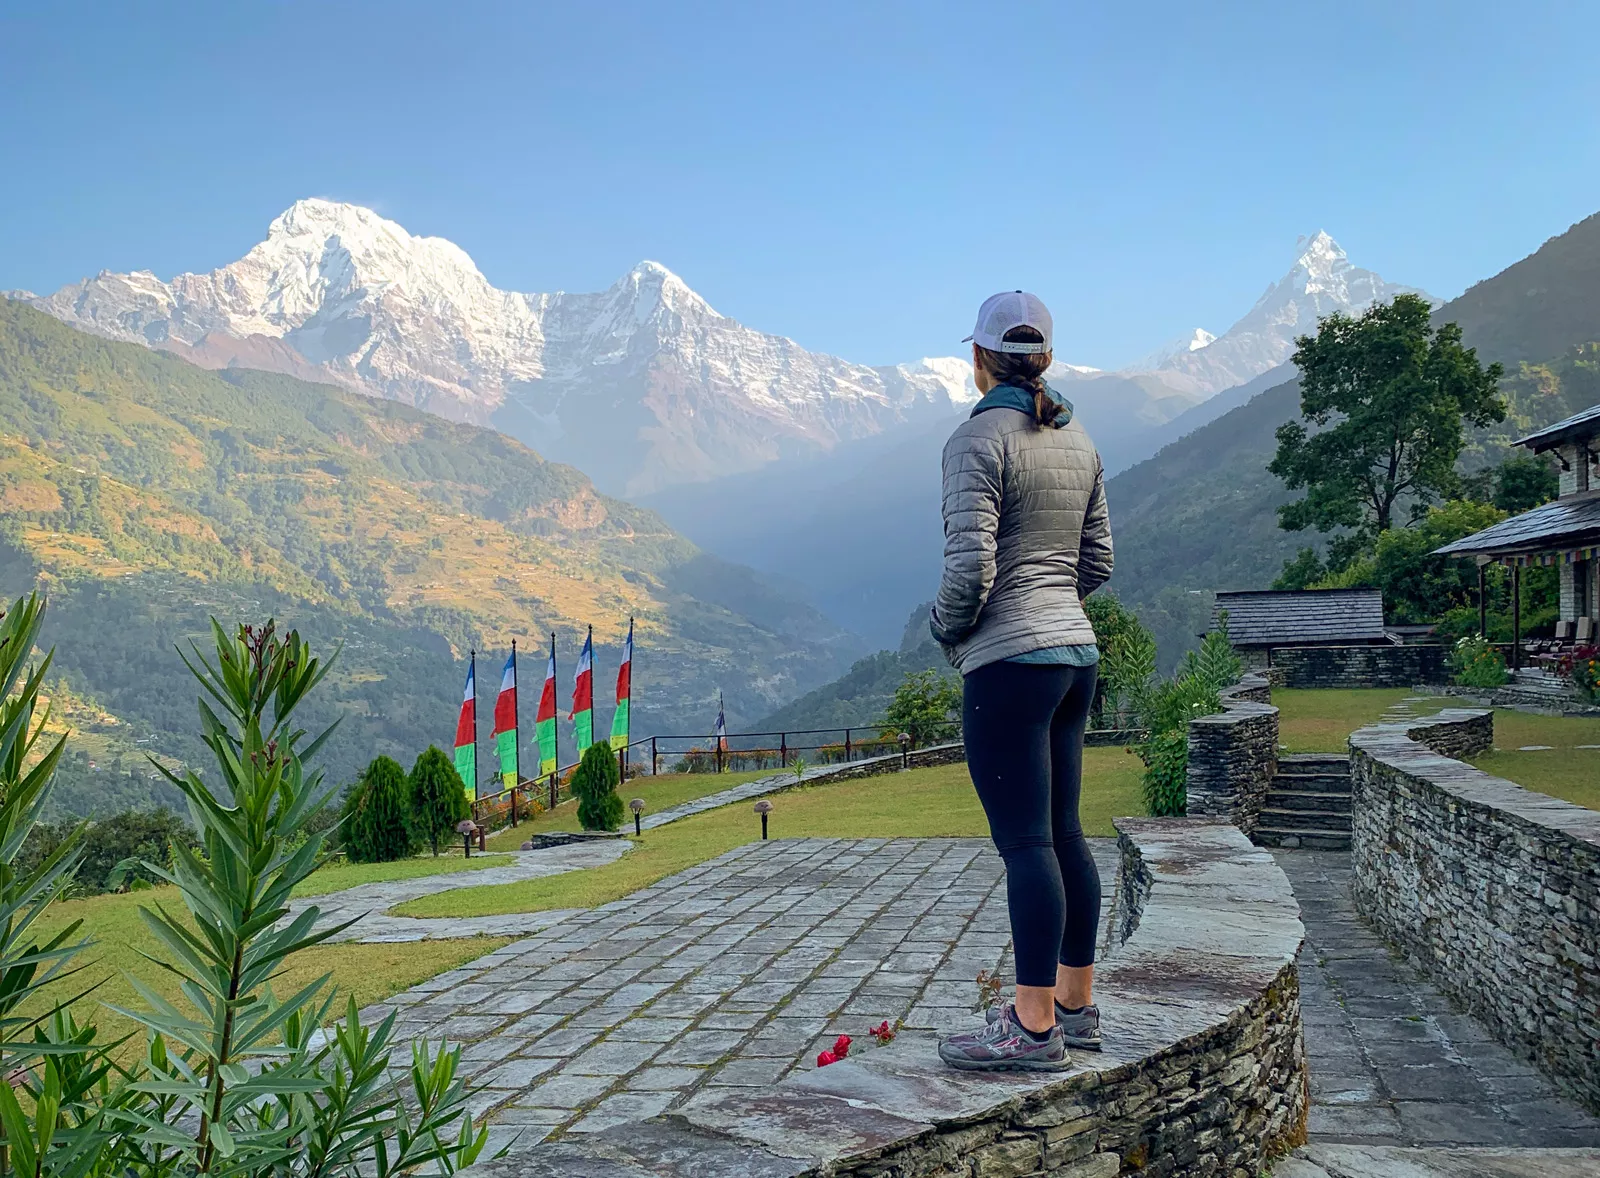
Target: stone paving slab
[[1392, 1063], [723, 978], [368, 904], [1365, 1161]]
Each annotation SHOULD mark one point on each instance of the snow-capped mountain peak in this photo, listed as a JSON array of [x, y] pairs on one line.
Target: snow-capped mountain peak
[[642, 384], [1320, 280]]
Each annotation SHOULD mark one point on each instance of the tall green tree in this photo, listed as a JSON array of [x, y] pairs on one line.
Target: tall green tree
[[437, 800], [1389, 395], [378, 827], [595, 783], [923, 707]]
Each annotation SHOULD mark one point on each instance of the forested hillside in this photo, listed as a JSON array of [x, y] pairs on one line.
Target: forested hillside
[[1201, 515], [146, 494], [864, 691]]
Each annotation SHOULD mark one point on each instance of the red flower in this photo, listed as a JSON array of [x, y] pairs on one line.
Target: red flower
[[827, 1057], [841, 1046], [883, 1032]]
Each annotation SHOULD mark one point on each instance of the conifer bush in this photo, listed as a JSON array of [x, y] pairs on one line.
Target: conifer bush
[[378, 828], [438, 800], [594, 783]]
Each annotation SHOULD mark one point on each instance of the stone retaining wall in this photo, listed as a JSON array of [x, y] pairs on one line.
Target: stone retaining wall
[[1361, 666], [1204, 1069], [1491, 889], [1233, 754]]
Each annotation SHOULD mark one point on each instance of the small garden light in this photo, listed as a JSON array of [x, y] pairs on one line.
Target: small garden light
[[905, 750], [763, 808], [637, 806], [466, 828]]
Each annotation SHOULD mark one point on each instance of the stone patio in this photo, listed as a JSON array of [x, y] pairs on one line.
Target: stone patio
[[726, 976]]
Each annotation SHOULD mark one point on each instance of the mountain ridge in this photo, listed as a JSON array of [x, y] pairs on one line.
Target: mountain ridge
[[145, 493]]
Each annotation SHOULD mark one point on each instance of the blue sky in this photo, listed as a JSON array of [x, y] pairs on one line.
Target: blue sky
[[856, 176]]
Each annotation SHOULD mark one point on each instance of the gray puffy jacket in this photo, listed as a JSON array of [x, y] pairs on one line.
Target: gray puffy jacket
[[1026, 533]]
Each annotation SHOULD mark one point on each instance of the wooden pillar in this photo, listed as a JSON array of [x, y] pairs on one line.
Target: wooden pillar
[[1483, 604], [1516, 617]]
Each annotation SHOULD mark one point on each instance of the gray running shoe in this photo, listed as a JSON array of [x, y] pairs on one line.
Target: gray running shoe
[[1081, 1029], [1003, 1046]]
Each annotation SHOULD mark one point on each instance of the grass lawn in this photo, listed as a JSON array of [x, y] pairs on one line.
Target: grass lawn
[[660, 792], [112, 922], [348, 875], [1320, 720], [1562, 770], [936, 802]]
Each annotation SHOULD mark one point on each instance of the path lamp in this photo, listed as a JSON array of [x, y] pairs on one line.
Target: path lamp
[[763, 808], [905, 750], [466, 828], [637, 806]]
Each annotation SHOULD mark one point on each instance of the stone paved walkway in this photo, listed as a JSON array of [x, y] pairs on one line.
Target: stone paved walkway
[[1391, 1063], [371, 901], [727, 975]]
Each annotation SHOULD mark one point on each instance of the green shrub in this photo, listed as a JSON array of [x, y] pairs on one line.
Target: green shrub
[[924, 707], [594, 784], [1166, 774], [1477, 664], [437, 798], [1165, 707], [378, 827], [127, 840]]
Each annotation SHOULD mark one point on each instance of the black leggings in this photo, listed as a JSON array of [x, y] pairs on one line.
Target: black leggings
[[1024, 727]]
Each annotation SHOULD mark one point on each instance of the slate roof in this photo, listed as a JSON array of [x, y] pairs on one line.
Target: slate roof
[[1578, 426], [1568, 522], [1277, 617]]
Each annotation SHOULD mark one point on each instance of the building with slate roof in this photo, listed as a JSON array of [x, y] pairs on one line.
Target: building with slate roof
[[1564, 532], [1260, 621]]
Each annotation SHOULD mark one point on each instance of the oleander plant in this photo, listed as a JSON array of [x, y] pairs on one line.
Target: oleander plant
[[233, 1079]]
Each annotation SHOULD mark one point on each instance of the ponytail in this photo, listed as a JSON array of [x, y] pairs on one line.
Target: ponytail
[[1024, 370]]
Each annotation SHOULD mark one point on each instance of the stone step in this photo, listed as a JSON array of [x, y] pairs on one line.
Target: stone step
[[1294, 799], [1315, 762], [1333, 783], [1312, 840], [1278, 819], [1388, 1161]]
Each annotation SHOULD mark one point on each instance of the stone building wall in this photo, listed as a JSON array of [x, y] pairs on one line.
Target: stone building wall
[[1492, 889], [1203, 1073], [1233, 755], [1362, 666]]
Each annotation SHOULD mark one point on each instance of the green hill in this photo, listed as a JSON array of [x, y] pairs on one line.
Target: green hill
[[145, 494], [864, 691], [1201, 515]]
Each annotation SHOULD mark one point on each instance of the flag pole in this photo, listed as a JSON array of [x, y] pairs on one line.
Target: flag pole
[[555, 743], [472, 673], [516, 739], [627, 727]]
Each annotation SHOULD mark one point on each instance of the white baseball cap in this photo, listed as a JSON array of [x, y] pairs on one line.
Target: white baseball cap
[[1004, 311]]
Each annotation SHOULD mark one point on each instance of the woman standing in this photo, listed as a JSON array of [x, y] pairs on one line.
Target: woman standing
[[1027, 537]]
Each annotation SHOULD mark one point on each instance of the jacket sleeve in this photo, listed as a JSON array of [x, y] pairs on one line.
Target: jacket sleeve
[[1094, 546], [973, 489]]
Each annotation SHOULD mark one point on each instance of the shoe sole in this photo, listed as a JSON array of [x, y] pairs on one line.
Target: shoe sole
[[1083, 1044], [981, 1065]]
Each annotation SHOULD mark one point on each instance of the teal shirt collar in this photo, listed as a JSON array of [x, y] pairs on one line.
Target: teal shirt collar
[[1007, 396]]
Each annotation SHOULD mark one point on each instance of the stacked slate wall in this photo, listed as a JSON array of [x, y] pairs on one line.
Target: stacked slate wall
[[1361, 666], [1491, 889], [1233, 755]]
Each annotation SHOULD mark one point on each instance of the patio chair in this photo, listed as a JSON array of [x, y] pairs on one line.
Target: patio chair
[[1583, 635]]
